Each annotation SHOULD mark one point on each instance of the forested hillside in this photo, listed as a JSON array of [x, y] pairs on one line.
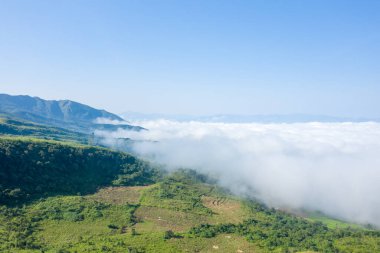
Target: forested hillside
[[31, 168]]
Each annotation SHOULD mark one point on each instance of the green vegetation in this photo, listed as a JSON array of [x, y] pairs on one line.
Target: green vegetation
[[176, 195], [330, 222], [277, 231], [67, 197], [13, 127], [31, 168]]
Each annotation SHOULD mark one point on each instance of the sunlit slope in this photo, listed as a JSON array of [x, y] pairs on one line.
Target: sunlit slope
[[64, 197], [13, 127]]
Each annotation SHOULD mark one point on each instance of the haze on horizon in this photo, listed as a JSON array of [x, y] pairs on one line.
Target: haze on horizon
[[196, 57]]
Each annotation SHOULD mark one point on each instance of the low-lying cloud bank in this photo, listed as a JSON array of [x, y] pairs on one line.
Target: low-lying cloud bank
[[331, 167]]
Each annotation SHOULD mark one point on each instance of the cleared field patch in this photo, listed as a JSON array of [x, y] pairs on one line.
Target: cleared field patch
[[119, 195], [177, 196], [109, 242], [61, 233], [71, 219], [147, 243], [221, 243], [162, 219], [224, 209]]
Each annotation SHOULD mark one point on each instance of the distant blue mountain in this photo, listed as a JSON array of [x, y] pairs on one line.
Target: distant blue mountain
[[62, 113]]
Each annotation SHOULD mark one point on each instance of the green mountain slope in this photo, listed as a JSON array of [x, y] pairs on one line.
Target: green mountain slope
[[32, 168], [62, 113], [14, 127], [65, 197]]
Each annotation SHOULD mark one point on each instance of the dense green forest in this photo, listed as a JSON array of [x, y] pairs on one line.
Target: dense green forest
[[32, 168]]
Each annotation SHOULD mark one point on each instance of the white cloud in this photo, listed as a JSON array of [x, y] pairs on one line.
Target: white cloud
[[109, 121], [331, 167]]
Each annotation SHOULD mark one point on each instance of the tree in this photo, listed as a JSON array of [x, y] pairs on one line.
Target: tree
[[169, 234]]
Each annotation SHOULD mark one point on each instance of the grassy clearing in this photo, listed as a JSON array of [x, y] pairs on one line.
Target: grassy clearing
[[119, 195], [225, 209], [221, 243], [71, 219], [147, 243], [57, 234], [330, 222], [161, 219], [177, 196]]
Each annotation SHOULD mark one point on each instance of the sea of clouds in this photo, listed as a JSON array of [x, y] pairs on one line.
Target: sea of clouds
[[329, 167]]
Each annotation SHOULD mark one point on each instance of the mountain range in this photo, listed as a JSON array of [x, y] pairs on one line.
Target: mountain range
[[60, 113]]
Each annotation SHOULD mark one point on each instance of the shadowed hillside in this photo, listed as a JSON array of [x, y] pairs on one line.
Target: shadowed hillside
[[31, 168]]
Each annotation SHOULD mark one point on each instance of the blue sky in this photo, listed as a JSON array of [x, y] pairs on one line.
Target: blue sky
[[196, 57]]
